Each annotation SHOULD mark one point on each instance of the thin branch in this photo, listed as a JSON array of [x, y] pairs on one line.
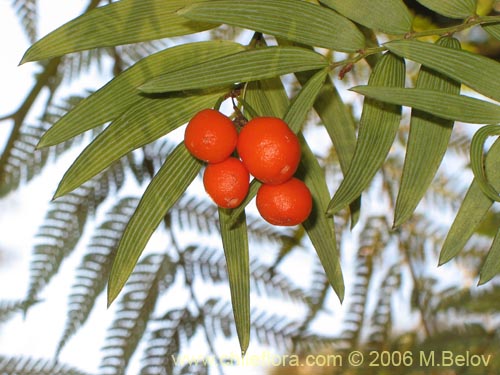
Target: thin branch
[[194, 298], [414, 278], [468, 23], [43, 80]]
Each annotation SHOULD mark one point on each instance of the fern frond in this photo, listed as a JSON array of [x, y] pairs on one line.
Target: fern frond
[[129, 54], [317, 294], [446, 192], [134, 312], [194, 213], [75, 64], [373, 240], [195, 369], [63, 226], [275, 331], [201, 214], [370, 243], [9, 308], [27, 12], [422, 234], [382, 316], [261, 231], [92, 273], [460, 143], [282, 333], [219, 318], [31, 366], [21, 160], [463, 337], [210, 264], [156, 153], [276, 284], [164, 343], [469, 302]]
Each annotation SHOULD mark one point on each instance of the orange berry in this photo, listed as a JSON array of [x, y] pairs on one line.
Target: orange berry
[[269, 149], [286, 204], [227, 182], [210, 136]]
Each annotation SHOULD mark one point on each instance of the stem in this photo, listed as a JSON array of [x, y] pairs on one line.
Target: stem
[[468, 23], [194, 299], [19, 116], [50, 71], [415, 282]]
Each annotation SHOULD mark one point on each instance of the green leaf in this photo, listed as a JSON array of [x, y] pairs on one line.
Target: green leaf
[[451, 8], [121, 93], [389, 16], [122, 22], [427, 142], [144, 122], [289, 19], [476, 160], [491, 265], [166, 187], [319, 227], [473, 209], [493, 29], [235, 243], [448, 106], [302, 104], [478, 72], [267, 97], [251, 65], [339, 124], [378, 126]]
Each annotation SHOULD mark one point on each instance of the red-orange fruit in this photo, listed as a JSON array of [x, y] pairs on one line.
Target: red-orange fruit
[[286, 204], [227, 182], [269, 149], [210, 136]]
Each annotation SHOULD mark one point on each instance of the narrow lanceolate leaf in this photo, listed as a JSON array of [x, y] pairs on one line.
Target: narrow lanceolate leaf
[[427, 142], [167, 186], [339, 124], [145, 121], [451, 8], [493, 29], [122, 22], [491, 265], [389, 16], [319, 227], [302, 104], [448, 106], [251, 65], [476, 160], [478, 72], [121, 93], [289, 19], [267, 97], [377, 129], [235, 243], [473, 208]]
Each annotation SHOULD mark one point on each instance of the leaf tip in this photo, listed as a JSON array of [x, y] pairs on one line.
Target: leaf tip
[[482, 280], [42, 143], [26, 58], [443, 260]]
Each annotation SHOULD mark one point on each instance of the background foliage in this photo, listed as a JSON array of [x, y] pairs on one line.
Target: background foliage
[[171, 59]]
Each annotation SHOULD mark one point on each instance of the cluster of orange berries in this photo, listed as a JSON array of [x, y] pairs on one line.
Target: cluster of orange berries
[[267, 149]]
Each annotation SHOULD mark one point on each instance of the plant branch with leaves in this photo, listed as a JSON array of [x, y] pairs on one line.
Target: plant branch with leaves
[[294, 44]]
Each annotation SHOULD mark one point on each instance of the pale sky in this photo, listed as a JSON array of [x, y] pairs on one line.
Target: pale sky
[[22, 213]]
